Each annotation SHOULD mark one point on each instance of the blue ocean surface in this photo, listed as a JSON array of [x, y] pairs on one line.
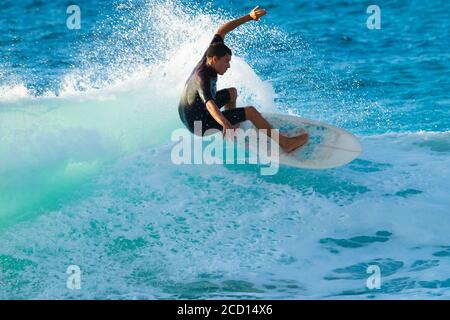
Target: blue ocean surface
[[86, 177]]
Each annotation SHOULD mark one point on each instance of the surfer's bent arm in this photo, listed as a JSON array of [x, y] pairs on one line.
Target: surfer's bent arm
[[217, 115], [206, 95], [255, 14]]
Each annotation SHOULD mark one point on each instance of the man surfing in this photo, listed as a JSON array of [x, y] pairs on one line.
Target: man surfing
[[200, 100]]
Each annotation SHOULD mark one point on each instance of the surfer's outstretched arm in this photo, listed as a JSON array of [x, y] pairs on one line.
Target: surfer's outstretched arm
[[255, 14]]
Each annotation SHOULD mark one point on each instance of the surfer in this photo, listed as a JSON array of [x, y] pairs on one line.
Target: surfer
[[200, 100]]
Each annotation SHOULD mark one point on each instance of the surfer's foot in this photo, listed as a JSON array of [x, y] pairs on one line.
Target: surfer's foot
[[289, 144]]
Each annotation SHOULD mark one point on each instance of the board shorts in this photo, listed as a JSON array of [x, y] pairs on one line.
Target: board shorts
[[198, 112]]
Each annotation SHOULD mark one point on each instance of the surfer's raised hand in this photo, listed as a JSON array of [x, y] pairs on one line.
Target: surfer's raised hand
[[257, 13]]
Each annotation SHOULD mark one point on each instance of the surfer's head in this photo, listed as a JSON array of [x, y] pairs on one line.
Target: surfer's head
[[219, 57]]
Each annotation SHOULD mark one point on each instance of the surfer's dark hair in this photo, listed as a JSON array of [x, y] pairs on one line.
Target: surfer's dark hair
[[218, 50]]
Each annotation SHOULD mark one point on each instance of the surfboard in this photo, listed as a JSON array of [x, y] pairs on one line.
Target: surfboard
[[328, 146]]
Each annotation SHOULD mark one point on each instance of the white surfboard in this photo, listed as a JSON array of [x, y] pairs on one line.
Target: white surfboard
[[328, 146]]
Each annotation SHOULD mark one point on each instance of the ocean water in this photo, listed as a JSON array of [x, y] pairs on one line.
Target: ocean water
[[86, 177]]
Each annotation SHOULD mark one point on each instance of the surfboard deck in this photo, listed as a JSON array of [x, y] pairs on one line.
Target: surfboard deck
[[328, 146]]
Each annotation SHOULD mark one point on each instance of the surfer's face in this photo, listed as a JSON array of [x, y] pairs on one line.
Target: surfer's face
[[222, 64]]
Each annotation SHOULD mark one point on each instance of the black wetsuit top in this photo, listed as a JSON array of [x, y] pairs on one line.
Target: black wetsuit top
[[201, 87]]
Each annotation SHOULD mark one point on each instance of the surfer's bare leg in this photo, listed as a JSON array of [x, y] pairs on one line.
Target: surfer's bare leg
[[288, 144], [233, 98], [232, 104]]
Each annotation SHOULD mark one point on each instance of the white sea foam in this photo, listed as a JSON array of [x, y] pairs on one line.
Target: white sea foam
[[147, 226]]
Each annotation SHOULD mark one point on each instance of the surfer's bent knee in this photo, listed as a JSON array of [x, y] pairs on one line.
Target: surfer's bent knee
[[250, 111], [233, 93]]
